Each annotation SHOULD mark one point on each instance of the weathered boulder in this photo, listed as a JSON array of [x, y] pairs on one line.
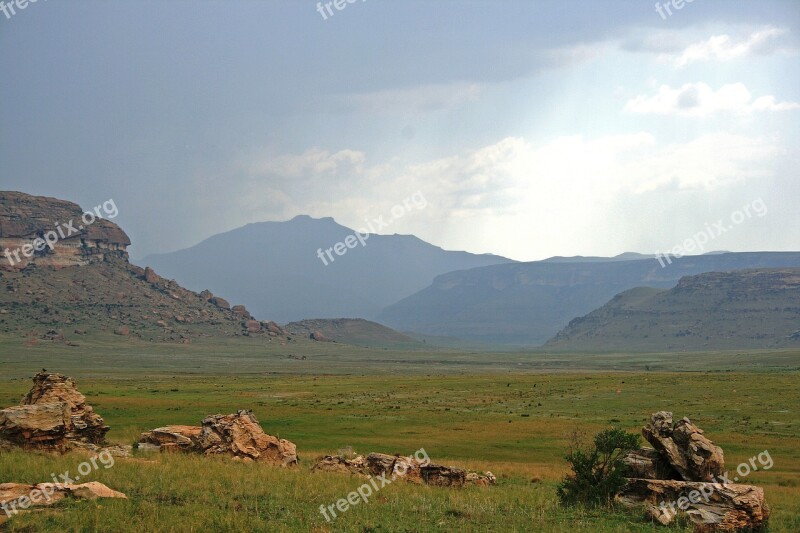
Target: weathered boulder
[[241, 311], [710, 506], [220, 302], [241, 436], [185, 438], [683, 444], [319, 337], [253, 326], [407, 468], [17, 497], [53, 415], [343, 465]]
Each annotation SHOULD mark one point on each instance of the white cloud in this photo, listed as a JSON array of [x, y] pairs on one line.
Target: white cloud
[[724, 47], [700, 100], [513, 195]]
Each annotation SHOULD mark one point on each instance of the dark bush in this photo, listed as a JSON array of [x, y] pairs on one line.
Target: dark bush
[[597, 471]]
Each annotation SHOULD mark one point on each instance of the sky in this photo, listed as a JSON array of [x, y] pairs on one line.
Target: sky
[[531, 128]]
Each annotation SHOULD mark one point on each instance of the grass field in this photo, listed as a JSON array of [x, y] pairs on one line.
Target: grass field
[[509, 413]]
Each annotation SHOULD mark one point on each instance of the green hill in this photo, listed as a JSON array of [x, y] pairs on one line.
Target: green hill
[[355, 331], [717, 310]]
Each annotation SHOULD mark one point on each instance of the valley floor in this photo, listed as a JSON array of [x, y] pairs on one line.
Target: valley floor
[[504, 415]]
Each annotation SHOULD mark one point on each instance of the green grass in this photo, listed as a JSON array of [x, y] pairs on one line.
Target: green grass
[[471, 411]]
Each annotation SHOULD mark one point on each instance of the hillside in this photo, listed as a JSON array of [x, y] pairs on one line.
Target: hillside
[[355, 331], [273, 268], [85, 285], [746, 309], [528, 303]]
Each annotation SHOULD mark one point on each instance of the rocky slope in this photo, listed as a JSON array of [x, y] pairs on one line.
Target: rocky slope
[[86, 285], [717, 310]]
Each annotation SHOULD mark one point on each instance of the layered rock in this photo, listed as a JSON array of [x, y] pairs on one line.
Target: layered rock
[[710, 506], [26, 221], [241, 436], [183, 438], [19, 497], [407, 468], [237, 435], [53, 415], [679, 475], [683, 444]]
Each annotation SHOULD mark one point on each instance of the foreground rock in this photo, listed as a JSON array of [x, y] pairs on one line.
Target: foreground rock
[[683, 444], [407, 468], [710, 506], [53, 415], [679, 475], [237, 435], [20, 497]]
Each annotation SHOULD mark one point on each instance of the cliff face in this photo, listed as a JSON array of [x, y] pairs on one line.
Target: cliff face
[[51, 232]]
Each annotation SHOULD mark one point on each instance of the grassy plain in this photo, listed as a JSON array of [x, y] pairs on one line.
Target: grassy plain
[[511, 413]]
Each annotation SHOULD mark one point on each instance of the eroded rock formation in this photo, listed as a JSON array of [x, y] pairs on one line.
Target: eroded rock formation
[[53, 415], [27, 221], [237, 435], [681, 474], [407, 468], [683, 444], [710, 506]]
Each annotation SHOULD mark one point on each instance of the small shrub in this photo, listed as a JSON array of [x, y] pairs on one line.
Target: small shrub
[[597, 471]]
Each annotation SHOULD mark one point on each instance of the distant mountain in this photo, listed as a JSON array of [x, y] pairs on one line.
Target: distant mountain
[[275, 268], [355, 331], [528, 303], [742, 309], [626, 256]]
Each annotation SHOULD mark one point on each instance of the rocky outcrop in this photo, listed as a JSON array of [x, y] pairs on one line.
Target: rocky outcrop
[[27, 222], [683, 444], [407, 468], [680, 475], [241, 436], [710, 506], [18, 498], [237, 435], [53, 415]]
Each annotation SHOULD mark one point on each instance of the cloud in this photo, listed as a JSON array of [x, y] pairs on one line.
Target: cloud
[[700, 100], [725, 48]]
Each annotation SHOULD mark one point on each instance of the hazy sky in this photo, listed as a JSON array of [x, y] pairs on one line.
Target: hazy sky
[[531, 128]]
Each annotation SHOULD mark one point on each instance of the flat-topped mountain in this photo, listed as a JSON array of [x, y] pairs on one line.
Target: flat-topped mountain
[[52, 232], [84, 284], [717, 310], [276, 270], [528, 303]]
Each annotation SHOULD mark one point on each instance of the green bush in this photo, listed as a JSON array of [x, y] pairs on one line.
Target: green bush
[[597, 472]]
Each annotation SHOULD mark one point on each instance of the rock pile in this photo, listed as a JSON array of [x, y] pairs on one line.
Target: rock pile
[[681, 473], [408, 468], [53, 415], [238, 435]]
